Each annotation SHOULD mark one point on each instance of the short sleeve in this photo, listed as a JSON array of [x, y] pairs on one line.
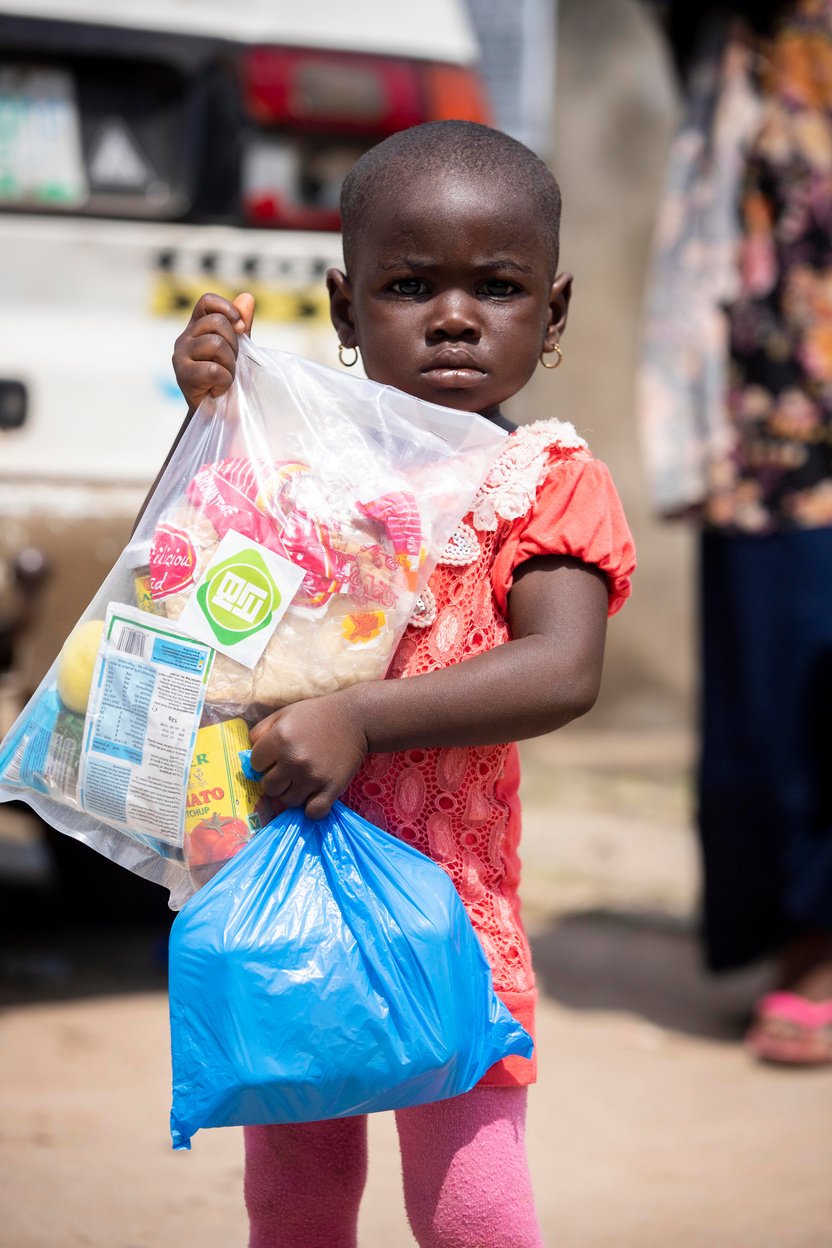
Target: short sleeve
[[576, 512]]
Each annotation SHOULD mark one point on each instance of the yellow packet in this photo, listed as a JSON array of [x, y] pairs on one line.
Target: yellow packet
[[223, 809]]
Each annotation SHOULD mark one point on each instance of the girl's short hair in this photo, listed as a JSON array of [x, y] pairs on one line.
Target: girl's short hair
[[463, 147]]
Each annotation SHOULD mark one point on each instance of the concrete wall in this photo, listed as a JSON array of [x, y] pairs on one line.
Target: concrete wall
[[615, 112]]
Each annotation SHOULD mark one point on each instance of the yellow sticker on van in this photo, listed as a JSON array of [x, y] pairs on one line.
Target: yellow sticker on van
[[172, 295]]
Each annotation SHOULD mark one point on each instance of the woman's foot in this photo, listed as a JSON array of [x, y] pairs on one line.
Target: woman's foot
[[793, 1025]]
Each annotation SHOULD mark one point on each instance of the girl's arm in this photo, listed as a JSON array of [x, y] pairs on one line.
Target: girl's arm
[[546, 676]]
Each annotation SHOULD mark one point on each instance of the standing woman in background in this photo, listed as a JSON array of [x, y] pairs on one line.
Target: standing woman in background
[[736, 406]]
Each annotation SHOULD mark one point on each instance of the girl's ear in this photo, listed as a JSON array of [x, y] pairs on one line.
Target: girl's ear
[[559, 297], [340, 306]]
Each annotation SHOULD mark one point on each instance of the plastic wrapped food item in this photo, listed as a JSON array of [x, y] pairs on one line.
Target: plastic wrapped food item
[[358, 580], [137, 558], [280, 557], [224, 805], [409, 1014]]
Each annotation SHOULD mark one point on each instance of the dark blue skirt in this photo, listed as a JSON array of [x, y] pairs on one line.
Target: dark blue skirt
[[765, 776]]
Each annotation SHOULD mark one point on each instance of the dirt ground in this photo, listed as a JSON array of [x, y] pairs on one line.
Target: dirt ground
[[649, 1127]]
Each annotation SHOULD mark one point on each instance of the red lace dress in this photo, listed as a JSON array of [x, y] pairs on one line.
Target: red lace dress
[[460, 806]]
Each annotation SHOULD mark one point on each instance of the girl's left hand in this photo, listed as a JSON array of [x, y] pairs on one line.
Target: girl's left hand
[[309, 752]]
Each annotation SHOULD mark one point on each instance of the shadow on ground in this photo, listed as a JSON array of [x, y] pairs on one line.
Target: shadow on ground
[[594, 960], [641, 963], [89, 928], [80, 927]]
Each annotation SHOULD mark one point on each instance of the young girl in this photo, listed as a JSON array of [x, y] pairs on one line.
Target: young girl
[[450, 293]]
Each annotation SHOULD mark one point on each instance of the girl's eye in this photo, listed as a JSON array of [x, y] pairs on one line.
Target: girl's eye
[[497, 288], [410, 287]]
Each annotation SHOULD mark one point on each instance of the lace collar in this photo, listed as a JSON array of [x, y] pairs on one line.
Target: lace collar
[[510, 488]]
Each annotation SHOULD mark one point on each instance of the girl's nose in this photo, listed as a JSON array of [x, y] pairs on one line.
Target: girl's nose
[[454, 315]]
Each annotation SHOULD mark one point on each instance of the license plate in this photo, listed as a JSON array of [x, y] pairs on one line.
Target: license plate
[[41, 161]]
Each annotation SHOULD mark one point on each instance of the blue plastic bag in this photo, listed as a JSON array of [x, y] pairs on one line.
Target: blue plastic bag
[[328, 970]]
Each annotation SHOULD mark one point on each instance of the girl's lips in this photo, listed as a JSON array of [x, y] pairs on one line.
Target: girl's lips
[[458, 377]]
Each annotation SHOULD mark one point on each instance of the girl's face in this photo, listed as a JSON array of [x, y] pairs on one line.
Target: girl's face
[[450, 296]]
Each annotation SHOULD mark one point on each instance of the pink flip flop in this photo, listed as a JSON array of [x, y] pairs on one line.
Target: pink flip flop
[[791, 1030]]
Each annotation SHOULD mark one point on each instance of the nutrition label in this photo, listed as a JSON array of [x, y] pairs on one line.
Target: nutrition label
[[145, 704]]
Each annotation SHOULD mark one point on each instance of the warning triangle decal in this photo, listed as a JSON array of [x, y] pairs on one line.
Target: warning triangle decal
[[115, 158]]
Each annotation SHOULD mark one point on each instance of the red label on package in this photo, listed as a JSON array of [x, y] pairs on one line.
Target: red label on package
[[172, 562]]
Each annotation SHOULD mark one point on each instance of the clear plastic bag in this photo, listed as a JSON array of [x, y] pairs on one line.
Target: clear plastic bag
[[280, 557], [330, 970]]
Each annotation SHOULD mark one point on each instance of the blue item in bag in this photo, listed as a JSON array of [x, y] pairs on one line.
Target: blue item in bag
[[25, 753], [329, 969], [248, 771]]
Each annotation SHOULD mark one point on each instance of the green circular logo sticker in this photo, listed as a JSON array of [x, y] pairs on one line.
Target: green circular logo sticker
[[239, 597]]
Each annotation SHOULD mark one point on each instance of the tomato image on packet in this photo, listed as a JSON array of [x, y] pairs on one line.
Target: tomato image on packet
[[217, 838]]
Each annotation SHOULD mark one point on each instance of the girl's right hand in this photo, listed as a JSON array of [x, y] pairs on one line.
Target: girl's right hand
[[205, 354]]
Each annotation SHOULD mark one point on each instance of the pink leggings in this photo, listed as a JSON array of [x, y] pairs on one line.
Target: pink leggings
[[464, 1167]]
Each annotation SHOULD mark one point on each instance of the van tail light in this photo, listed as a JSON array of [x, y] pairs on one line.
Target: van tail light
[[451, 91], [271, 209], [311, 108], [345, 93], [331, 92]]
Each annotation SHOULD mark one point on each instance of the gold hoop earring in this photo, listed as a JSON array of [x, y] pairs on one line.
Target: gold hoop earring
[[342, 349], [559, 361]]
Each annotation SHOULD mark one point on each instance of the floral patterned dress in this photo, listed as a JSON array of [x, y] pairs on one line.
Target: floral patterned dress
[[736, 389], [545, 495]]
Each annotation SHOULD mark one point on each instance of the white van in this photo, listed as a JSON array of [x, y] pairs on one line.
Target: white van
[[149, 150]]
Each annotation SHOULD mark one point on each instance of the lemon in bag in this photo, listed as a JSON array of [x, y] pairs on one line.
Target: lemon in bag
[[76, 664]]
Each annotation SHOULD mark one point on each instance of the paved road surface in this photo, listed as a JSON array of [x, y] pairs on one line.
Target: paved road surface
[[649, 1127]]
